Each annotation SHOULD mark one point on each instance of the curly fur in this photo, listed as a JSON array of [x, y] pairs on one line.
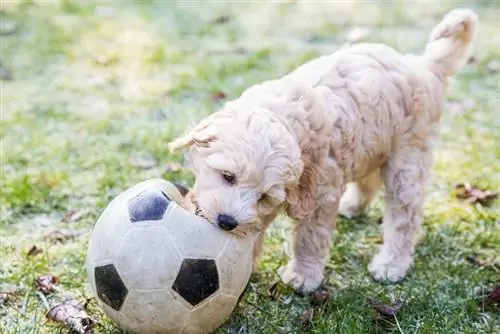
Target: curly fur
[[323, 139]]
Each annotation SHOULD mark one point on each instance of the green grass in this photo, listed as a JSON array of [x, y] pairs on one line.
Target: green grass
[[94, 86]]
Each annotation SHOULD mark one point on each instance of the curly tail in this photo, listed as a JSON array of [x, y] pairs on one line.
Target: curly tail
[[450, 42]]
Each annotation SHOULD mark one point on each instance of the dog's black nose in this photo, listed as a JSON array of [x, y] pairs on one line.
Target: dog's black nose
[[226, 222]]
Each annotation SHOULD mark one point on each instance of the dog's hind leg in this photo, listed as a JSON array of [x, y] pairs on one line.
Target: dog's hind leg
[[404, 176], [359, 195]]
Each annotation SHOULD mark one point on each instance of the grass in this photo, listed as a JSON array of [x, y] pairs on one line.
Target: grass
[[99, 88]]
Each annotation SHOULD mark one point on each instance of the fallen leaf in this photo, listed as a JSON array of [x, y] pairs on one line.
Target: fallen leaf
[[221, 19], [304, 321], [62, 235], [142, 160], [320, 296], [6, 296], [46, 284], [472, 60], [173, 167], [274, 293], [74, 215], [472, 194], [493, 297], [218, 96], [387, 311], [358, 33], [72, 314], [34, 250]]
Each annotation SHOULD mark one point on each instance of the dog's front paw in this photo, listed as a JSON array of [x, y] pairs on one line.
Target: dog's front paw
[[387, 267], [301, 278]]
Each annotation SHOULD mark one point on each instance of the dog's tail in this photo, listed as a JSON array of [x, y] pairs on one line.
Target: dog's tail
[[450, 42]]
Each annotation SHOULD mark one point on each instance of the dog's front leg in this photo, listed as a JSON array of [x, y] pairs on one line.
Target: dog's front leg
[[311, 244], [257, 249]]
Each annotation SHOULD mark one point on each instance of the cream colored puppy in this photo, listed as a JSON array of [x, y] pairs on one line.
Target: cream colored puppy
[[322, 140]]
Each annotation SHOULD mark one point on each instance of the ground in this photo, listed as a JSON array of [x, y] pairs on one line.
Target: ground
[[93, 91]]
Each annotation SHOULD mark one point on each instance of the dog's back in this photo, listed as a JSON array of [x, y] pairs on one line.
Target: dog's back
[[382, 99]]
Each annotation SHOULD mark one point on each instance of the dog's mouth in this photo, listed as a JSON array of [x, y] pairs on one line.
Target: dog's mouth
[[241, 231], [198, 211]]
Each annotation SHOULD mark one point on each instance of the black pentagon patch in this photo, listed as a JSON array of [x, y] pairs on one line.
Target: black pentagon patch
[[149, 204], [109, 286], [197, 280]]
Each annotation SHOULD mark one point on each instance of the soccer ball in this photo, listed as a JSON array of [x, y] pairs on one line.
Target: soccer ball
[[156, 268]]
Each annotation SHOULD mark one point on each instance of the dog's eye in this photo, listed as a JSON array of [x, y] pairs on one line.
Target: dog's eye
[[229, 177], [262, 197]]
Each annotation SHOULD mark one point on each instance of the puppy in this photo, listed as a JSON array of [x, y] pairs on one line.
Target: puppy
[[323, 139]]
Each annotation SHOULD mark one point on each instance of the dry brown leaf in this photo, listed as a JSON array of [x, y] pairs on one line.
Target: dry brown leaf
[[221, 19], [74, 215], [46, 284], [34, 250], [473, 194], [274, 293], [72, 314], [62, 235], [493, 297], [387, 311], [320, 296], [218, 96], [6, 296], [304, 321]]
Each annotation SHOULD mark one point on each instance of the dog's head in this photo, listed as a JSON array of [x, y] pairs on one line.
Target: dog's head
[[244, 159]]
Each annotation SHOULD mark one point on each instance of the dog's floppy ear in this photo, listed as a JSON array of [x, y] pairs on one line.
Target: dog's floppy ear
[[202, 134]]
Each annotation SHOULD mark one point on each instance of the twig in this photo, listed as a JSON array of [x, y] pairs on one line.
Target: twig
[[397, 324]]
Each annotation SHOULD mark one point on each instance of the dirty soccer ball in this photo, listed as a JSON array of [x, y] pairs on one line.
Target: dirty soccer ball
[[156, 268]]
